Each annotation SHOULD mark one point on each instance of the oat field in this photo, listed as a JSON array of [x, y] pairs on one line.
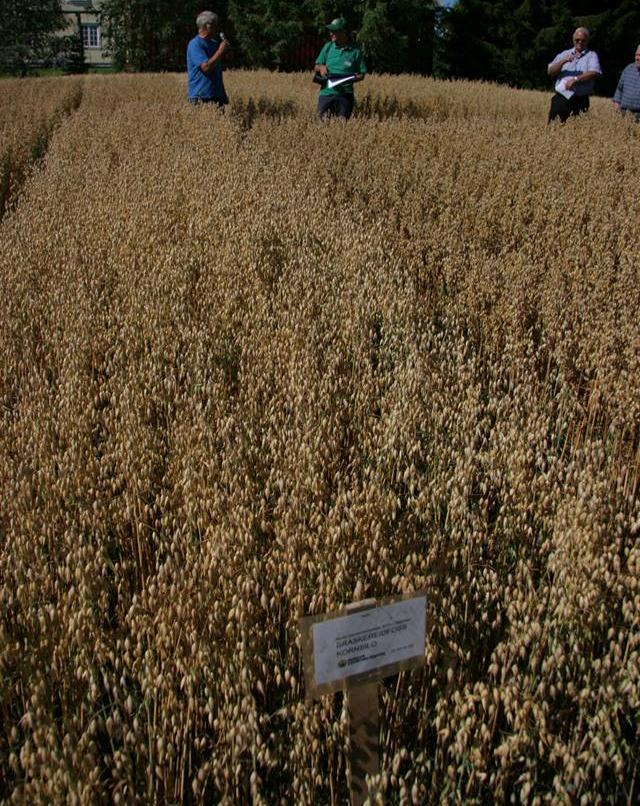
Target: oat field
[[253, 367]]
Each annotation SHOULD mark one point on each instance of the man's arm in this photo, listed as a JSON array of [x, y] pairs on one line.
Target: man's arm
[[554, 68], [582, 78], [211, 61], [320, 67], [617, 95]]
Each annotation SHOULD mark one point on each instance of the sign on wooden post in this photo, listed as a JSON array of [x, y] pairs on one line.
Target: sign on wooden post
[[353, 649]]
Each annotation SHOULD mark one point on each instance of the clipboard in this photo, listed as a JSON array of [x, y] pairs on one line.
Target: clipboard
[[561, 87]]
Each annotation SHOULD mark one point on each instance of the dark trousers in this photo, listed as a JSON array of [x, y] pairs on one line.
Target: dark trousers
[[564, 108], [340, 106]]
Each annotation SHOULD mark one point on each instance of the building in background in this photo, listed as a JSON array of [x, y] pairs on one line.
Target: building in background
[[84, 17]]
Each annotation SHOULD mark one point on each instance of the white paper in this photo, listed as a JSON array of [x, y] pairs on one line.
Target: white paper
[[561, 87], [368, 640], [335, 82]]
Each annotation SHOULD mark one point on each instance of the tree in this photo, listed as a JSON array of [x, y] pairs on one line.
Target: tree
[[397, 35], [476, 40], [27, 33], [615, 35], [70, 53], [531, 34], [150, 35], [514, 42], [71, 48], [264, 30]]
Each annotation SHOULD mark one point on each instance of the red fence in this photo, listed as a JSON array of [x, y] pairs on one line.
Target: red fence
[[302, 56]]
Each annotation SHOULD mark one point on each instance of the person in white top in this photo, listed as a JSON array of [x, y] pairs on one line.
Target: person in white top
[[575, 71]]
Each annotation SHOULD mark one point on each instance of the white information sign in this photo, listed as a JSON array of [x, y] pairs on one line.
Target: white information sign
[[368, 640]]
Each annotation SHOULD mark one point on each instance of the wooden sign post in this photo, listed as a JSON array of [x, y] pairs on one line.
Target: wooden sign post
[[364, 754], [362, 710], [353, 649]]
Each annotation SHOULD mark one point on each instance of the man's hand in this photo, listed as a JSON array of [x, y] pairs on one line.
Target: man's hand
[[359, 77], [616, 106], [321, 70], [210, 63], [555, 67]]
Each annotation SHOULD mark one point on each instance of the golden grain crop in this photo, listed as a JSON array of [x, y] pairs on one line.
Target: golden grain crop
[[30, 112], [250, 363]]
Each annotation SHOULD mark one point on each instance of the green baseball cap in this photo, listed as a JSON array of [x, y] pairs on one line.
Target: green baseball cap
[[339, 24]]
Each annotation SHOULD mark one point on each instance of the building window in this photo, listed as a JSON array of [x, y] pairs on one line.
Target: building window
[[91, 35]]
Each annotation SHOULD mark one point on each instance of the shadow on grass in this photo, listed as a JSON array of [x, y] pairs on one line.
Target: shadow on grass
[[389, 107], [254, 109]]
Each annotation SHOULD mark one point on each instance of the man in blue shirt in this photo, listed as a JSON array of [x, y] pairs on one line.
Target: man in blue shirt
[[204, 66], [627, 95], [338, 58], [575, 71]]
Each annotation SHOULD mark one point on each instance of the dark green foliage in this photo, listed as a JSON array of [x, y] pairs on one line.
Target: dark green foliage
[[264, 30], [151, 35], [71, 53], [27, 33], [395, 35], [398, 36], [475, 36], [508, 42], [513, 42], [618, 36]]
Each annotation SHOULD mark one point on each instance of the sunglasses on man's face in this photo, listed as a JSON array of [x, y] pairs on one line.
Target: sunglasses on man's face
[[579, 40]]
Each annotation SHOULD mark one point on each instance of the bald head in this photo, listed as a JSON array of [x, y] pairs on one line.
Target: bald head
[[580, 38]]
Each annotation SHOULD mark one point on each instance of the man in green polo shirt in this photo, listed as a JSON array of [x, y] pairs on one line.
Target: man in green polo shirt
[[338, 59]]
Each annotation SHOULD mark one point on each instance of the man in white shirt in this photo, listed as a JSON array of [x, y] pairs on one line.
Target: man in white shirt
[[575, 71]]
